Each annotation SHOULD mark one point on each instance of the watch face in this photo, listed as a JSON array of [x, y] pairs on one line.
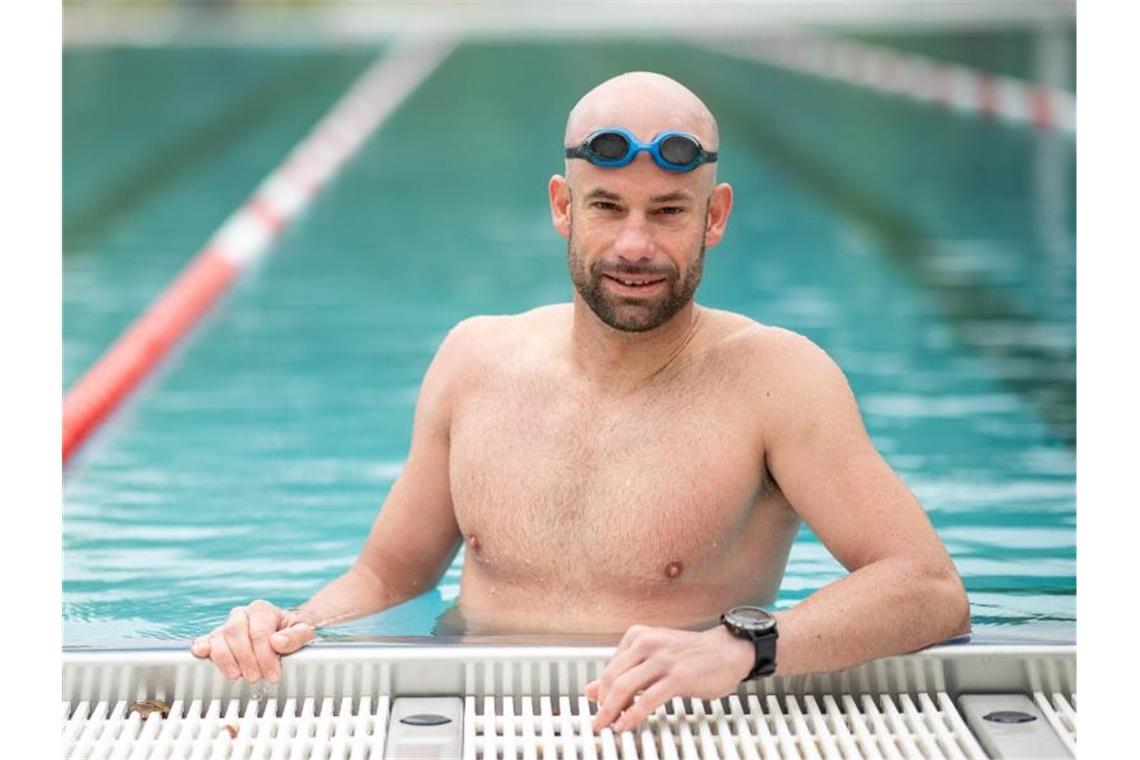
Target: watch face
[[752, 618]]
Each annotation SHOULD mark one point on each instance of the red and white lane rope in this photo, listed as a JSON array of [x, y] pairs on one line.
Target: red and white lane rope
[[917, 77], [248, 233]]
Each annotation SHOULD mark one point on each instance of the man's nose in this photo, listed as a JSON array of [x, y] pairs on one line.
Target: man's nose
[[634, 242]]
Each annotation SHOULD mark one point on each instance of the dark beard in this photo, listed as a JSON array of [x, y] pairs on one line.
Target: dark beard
[[640, 316]]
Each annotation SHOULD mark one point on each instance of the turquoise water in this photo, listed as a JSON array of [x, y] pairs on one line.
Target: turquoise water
[[932, 255]]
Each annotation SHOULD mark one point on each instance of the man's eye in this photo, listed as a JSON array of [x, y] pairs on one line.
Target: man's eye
[[671, 210], [605, 205]]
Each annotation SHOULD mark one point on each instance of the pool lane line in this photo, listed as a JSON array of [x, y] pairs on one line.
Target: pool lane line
[[248, 233], [248, 111], [909, 75]]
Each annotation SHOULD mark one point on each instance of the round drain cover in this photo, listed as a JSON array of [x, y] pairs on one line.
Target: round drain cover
[[1009, 716], [425, 719]]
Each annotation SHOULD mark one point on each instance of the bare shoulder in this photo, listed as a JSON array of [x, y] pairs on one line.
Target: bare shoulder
[[780, 364], [754, 341], [482, 345], [473, 337]]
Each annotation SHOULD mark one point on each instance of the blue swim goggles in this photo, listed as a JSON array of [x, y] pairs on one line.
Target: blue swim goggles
[[612, 147]]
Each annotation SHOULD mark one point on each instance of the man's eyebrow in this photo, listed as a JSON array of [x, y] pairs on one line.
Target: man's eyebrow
[[676, 195], [598, 192]]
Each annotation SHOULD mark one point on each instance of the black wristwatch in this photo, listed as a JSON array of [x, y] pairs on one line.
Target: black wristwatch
[[759, 627]]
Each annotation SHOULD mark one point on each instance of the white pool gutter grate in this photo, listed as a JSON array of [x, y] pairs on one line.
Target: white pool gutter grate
[[844, 726], [1061, 712], [354, 728], [512, 702]]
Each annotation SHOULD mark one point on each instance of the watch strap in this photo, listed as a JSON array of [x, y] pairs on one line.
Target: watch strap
[[764, 644], [765, 663]]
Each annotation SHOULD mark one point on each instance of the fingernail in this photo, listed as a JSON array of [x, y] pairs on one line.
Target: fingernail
[[280, 639], [232, 672], [274, 676]]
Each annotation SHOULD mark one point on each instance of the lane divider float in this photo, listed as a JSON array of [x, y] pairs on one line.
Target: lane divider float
[[917, 77], [248, 233]]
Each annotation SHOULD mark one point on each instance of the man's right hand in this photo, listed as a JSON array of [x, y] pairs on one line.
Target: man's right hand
[[252, 640]]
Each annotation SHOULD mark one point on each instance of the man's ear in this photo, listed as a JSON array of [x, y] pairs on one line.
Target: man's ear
[[559, 191], [720, 205]]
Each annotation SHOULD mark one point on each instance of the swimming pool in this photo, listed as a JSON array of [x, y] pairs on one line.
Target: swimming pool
[[931, 254]]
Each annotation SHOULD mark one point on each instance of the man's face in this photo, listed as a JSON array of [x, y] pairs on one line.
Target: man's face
[[636, 242]]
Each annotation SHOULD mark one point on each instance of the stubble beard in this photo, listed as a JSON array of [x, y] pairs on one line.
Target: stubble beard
[[631, 315]]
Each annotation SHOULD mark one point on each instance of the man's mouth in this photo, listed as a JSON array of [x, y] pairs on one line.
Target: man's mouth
[[635, 280]]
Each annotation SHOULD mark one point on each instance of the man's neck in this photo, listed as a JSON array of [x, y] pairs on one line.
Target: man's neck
[[627, 360]]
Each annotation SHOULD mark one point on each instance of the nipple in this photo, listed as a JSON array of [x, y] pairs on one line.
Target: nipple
[[473, 541], [673, 569]]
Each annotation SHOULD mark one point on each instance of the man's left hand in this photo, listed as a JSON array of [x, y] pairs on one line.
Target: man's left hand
[[662, 663]]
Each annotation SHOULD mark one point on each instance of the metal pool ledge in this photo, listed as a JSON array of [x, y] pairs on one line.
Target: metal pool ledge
[[512, 700]]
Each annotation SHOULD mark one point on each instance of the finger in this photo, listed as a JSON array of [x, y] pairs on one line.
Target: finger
[[201, 647], [624, 689], [633, 652], [263, 620], [236, 633], [632, 634], [592, 691], [651, 699], [221, 656], [292, 638]]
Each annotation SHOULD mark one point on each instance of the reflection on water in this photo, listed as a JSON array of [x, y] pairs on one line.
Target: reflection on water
[[917, 248]]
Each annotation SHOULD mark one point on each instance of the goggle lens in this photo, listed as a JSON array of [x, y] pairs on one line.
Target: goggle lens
[[609, 146], [679, 150]]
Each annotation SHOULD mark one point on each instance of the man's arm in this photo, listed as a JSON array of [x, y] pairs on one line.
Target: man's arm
[[415, 536], [412, 541], [902, 593]]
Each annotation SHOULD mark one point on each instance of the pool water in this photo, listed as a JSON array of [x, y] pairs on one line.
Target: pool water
[[931, 254]]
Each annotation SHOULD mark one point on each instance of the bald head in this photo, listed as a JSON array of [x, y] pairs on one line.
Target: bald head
[[644, 103]]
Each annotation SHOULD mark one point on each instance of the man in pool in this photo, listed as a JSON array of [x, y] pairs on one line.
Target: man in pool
[[634, 462]]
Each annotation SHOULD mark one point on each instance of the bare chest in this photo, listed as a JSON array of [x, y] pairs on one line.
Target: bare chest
[[552, 486]]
